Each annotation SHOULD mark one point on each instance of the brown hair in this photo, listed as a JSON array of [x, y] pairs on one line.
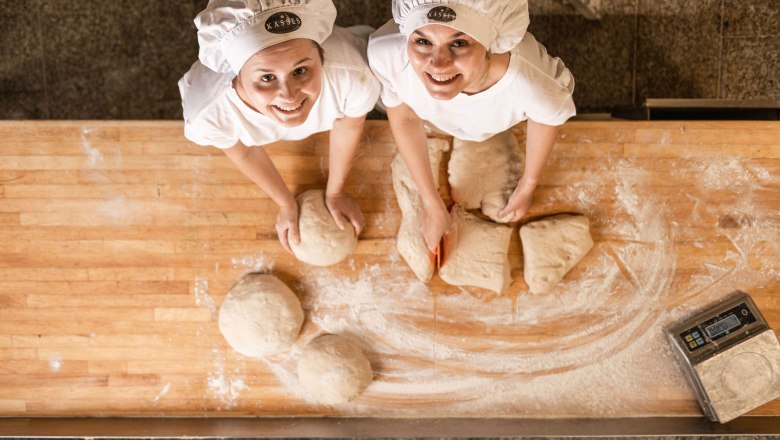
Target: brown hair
[[320, 50]]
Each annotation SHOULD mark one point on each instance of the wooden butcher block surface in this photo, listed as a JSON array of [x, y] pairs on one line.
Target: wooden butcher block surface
[[121, 239]]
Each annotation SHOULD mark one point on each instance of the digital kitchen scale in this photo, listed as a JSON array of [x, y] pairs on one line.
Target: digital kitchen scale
[[730, 357]]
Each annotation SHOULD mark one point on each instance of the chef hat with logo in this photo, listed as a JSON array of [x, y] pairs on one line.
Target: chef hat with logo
[[231, 31], [497, 25]]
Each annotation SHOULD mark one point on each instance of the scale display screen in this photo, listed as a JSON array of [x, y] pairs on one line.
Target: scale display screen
[[722, 326], [717, 327]]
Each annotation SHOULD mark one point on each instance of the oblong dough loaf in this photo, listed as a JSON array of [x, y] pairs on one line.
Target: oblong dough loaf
[[410, 242]]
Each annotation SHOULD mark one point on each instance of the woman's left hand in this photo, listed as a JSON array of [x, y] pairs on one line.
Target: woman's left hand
[[343, 206], [519, 201]]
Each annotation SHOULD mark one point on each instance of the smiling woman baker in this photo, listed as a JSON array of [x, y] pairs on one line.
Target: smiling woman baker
[[273, 70], [468, 68]]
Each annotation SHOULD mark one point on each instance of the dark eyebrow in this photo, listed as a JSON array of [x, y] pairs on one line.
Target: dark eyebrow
[[296, 64], [303, 61], [455, 35]]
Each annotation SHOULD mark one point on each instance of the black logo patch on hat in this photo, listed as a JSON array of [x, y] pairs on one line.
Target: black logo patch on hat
[[442, 13], [283, 23]]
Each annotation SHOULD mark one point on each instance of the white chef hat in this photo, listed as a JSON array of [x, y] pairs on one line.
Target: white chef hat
[[231, 31], [499, 25]]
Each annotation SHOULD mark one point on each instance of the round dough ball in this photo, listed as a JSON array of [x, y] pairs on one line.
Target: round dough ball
[[260, 316], [334, 370], [322, 242]]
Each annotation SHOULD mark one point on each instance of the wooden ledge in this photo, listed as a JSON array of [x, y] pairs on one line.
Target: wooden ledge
[[328, 427]]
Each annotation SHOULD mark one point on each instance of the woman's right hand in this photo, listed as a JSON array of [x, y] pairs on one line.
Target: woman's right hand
[[287, 226], [435, 223]]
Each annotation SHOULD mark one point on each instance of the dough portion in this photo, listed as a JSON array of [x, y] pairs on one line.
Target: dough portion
[[484, 174], [333, 370], [322, 242], [260, 316], [552, 247], [410, 243], [476, 252]]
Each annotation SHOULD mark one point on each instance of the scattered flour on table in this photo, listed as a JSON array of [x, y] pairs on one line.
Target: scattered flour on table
[[752, 230], [725, 174], [162, 393], [116, 210], [55, 364], [430, 348], [445, 362], [94, 156], [225, 386], [202, 298], [284, 368], [221, 383], [253, 263]]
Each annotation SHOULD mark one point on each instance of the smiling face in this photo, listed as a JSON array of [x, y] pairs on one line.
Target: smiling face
[[447, 61], [282, 81]]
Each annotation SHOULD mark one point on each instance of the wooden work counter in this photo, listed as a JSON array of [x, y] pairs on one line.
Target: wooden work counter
[[121, 239]]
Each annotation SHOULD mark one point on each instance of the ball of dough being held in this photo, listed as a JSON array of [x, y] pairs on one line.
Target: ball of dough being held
[[492, 204], [483, 175], [322, 242], [333, 370], [260, 316]]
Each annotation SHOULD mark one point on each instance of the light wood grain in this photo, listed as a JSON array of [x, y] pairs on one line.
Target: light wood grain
[[121, 239]]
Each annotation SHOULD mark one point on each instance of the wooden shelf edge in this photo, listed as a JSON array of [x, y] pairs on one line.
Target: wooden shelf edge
[[335, 427]]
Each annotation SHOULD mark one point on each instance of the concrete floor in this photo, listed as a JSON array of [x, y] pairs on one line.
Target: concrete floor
[[95, 59]]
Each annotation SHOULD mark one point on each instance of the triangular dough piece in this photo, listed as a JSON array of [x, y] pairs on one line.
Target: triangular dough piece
[[410, 243], [484, 174], [551, 247], [476, 252]]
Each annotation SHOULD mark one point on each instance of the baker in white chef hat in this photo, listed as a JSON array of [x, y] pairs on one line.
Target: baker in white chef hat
[[469, 69], [271, 70], [496, 25], [232, 31]]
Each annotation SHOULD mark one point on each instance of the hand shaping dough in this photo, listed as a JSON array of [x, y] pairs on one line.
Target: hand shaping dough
[[476, 252], [333, 369], [551, 247], [483, 175], [411, 244], [322, 242], [260, 316]]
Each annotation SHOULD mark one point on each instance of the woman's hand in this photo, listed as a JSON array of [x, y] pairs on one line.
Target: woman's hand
[[435, 223], [287, 226], [519, 201], [257, 166], [540, 139], [343, 206]]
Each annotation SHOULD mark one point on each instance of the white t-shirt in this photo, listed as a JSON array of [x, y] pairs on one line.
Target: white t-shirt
[[536, 86], [215, 115]]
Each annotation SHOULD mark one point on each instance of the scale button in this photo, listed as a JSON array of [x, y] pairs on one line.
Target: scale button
[[688, 338], [692, 344], [700, 341], [696, 335]]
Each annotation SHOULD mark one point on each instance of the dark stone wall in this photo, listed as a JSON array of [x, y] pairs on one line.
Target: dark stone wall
[[97, 59]]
